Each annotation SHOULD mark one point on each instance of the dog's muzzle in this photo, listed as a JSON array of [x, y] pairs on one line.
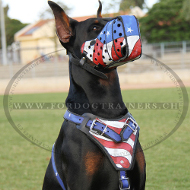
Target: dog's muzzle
[[118, 42]]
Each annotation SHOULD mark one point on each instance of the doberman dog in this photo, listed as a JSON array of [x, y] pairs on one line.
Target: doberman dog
[[79, 162]]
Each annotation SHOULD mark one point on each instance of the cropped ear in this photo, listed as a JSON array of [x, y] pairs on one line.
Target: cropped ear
[[63, 28], [99, 11]]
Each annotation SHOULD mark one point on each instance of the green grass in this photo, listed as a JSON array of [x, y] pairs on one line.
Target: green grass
[[23, 165]]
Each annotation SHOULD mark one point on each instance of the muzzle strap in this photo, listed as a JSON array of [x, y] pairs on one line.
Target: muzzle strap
[[83, 64]]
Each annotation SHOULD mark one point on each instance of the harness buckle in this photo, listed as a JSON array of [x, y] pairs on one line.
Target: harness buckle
[[82, 61], [124, 188], [94, 123], [105, 130], [121, 184], [134, 122]]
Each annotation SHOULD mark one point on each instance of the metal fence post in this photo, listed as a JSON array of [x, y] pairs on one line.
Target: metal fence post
[[184, 46], [162, 49], [3, 35], [183, 52], [10, 60]]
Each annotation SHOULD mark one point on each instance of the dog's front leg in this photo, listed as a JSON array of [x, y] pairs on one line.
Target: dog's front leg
[[138, 174]]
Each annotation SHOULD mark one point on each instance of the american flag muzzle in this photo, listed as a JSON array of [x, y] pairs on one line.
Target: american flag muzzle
[[118, 42]]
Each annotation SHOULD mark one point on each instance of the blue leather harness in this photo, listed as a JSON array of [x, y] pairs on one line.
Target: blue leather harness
[[86, 125], [55, 169]]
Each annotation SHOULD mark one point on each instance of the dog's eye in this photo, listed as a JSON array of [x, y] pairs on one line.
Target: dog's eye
[[96, 27]]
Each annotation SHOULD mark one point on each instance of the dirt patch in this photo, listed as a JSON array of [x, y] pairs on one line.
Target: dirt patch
[[127, 81]]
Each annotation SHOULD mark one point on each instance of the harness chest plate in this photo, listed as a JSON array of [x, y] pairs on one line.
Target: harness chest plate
[[116, 138]]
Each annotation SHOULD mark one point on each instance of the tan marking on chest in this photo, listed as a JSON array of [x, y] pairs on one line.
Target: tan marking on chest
[[140, 160], [93, 162]]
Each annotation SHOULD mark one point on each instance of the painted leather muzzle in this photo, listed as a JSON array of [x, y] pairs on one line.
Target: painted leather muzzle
[[118, 42]]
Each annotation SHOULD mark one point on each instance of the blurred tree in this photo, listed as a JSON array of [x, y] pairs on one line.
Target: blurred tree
[[186, 10], [11, 27], [165, 23], [111, 6], [126, 4]]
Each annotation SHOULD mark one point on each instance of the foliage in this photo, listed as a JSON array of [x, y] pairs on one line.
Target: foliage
[[126, 4], [110, 6], [11, 27], [186, 10], [164, 22]]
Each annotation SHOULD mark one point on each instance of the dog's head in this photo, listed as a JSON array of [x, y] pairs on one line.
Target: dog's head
[[106, 42]]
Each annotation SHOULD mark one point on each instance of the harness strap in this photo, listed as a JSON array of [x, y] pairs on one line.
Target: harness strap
[[55, 169], [123, 181], [101, 128]]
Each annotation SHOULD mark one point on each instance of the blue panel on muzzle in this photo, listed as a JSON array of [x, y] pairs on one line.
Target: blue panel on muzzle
[[118, 42]]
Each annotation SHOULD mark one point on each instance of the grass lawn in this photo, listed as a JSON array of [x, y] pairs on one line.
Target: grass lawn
[[23, 164]]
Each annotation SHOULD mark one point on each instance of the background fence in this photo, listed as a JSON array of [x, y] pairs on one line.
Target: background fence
[[174, 54]]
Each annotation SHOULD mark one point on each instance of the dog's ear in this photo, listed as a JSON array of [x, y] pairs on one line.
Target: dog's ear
[[99, 11], [62, 22]]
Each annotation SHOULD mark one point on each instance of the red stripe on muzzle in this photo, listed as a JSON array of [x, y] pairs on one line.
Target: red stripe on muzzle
[[116, 49], [97, 55]]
